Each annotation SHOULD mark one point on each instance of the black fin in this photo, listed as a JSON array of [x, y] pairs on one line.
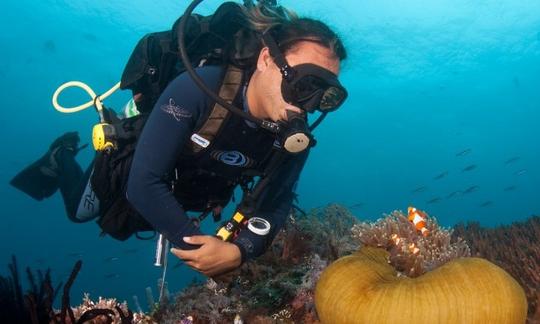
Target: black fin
[[36, 180], [40, 179]]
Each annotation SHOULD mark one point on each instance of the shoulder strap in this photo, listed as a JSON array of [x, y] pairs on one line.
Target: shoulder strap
[[228, 91]]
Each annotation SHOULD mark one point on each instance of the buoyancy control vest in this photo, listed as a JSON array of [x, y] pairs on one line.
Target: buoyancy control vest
[[200, 185], [218, 39]]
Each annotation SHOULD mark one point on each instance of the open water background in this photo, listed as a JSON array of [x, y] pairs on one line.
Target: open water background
[[427, 80]]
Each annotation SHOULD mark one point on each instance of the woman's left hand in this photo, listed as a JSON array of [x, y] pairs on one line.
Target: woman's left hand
[[213, 257]]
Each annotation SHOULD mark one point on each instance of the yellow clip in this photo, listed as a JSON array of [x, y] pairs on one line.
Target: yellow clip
[[238, 217], [223, 234]]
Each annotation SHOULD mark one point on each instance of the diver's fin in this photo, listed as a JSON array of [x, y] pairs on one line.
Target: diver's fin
[[40, 179], [37, 180]]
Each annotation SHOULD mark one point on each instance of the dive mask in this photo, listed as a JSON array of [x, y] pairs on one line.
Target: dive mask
[[307, 86]]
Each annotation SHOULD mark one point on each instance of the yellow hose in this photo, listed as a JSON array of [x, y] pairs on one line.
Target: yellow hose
[[94, 101]]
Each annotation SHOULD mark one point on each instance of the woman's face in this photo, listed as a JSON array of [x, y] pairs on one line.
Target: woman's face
[[268, 102]]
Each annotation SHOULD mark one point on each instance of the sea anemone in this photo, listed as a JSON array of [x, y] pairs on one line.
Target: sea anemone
[[400, 275], [411, 254]]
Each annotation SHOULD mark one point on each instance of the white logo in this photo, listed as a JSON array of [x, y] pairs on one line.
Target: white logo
[[233, 158], [199, 140], [176, 111]]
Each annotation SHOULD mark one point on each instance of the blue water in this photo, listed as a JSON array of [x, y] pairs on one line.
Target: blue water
[[427, 80]]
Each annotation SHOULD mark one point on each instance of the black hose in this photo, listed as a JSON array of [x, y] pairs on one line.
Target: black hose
[[268, 125]]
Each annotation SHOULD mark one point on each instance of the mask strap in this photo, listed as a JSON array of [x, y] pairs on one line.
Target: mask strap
[[286, 70]]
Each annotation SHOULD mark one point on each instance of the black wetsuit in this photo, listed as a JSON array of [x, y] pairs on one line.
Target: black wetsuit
[[181, 109]]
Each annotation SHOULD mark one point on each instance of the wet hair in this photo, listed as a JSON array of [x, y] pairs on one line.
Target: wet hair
[[288, 29], [262, 17]]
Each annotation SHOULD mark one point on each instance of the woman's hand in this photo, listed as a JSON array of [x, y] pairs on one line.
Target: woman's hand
[[214, 257]]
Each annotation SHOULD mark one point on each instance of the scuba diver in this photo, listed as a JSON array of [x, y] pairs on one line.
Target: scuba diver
[[210, 129]]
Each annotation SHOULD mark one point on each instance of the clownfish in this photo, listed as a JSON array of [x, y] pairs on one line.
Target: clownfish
[[418, 218]]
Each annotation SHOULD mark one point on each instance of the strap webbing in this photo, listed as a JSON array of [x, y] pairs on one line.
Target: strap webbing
[[228, 91]]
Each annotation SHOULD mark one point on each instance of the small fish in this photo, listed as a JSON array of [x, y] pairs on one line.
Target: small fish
[[111, 276], [49, 46], [419, 189], [470, 189], [453, 194], [418, 218], [464, 152], [75, 255], [520, 172], [441, 175], [510, 188], [356, 206], [512, 160], [111, 259], [486, 203], [469, 168], [433, 200]]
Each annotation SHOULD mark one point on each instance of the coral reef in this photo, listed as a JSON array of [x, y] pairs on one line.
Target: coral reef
[[108, 310], [279, 283], [33, 307], [410, 253], [36, 306], [282, 281], [515, 248]]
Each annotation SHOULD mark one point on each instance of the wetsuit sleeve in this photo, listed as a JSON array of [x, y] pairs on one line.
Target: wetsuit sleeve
[[274, 206], [169, 126]]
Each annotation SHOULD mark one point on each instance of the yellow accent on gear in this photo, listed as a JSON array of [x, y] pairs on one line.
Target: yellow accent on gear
[[99, 138], [238, 217], [224, 234]]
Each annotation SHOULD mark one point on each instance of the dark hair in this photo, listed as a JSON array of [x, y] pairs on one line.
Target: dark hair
[[288, 29], [289, 33]]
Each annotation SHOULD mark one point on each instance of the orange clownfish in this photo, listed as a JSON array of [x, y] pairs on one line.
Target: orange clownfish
[[418, 218]]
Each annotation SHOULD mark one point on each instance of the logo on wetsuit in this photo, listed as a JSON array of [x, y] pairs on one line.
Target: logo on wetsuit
[[176, 111], [233, 158]]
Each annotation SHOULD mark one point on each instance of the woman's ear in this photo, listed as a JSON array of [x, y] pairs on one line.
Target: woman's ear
[[264, 60]]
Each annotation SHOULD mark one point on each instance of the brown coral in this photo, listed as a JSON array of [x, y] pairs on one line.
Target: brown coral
[[515, 248]]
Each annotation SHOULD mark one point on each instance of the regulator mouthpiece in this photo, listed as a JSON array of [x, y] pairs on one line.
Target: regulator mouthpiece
[[295, 134]]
